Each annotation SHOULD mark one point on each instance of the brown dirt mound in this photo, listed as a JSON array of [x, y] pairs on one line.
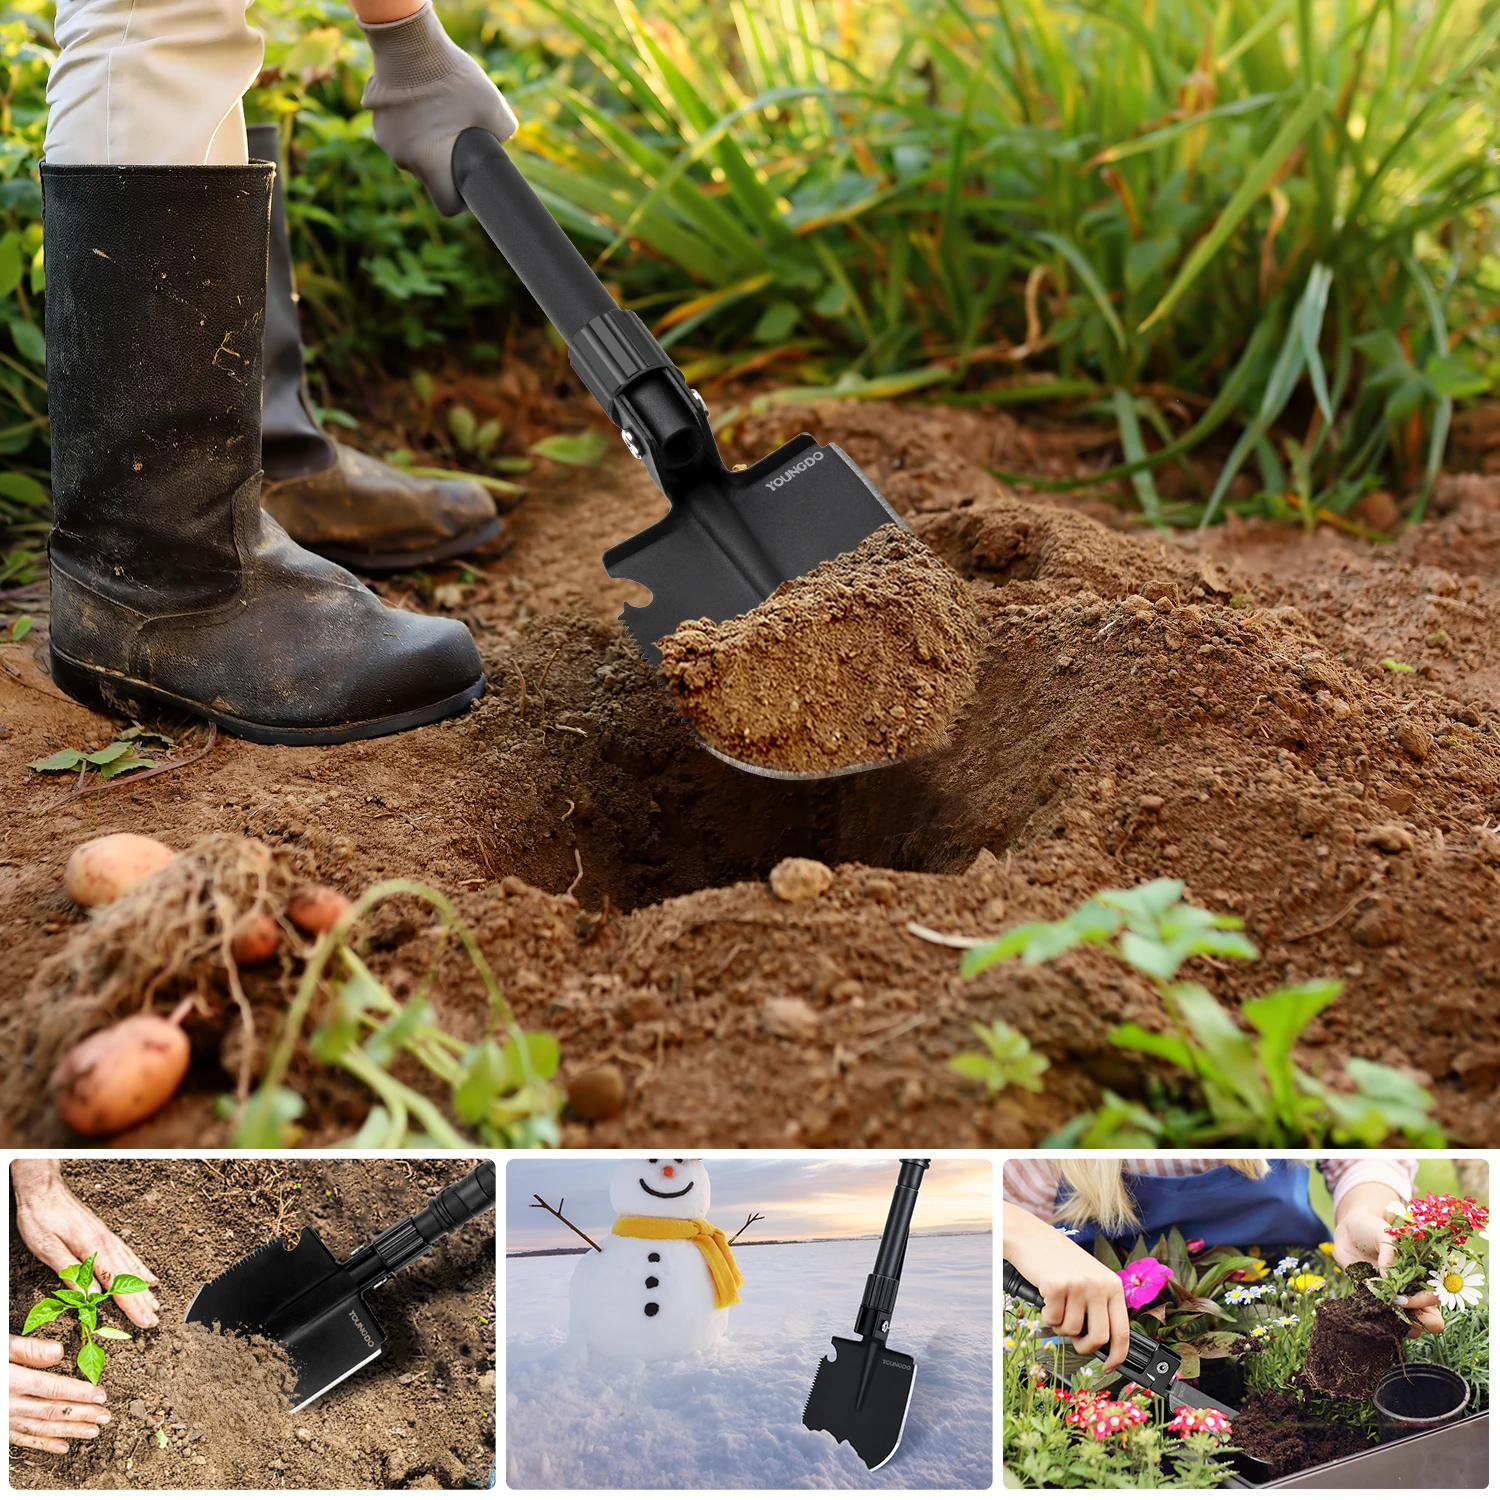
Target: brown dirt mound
[[864, 660], [1354, 1341], [422, 1415], [1213, 708], [1279, 1431]]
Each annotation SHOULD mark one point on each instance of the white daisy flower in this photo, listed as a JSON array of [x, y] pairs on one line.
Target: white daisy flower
[[1287, 1321], [1458, 1284], [1287, 1263], [1396, 1209]]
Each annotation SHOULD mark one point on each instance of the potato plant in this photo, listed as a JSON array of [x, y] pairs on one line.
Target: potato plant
[[74, 1294]]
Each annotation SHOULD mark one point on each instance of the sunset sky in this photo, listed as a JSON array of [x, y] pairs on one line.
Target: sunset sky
[[828, 1196]]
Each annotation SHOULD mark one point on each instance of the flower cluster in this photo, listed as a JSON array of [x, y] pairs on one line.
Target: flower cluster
[[1206, 1420], [1244, 1292], [1429, 1234], [1101, 1416]]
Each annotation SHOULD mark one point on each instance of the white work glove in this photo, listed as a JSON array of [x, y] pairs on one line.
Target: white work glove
[[424, 92]]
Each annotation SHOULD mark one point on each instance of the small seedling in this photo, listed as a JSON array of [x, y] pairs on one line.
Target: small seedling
[[581, 449], [115, 759], [76, 1281], [21, 628], [1246, 1086], [1008, 1060], [1392, 665]]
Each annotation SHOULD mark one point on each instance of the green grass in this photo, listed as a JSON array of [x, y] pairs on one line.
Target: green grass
[[1255, 231]]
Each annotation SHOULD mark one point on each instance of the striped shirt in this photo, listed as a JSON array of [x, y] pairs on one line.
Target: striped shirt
[[1031, 1182]]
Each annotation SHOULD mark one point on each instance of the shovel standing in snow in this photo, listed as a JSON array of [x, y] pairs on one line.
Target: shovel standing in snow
[[1149, 1363], [732, 535], [861, 1394], [313, 1305]]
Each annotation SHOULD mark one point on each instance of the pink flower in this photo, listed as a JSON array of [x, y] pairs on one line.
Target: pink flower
[[1194, 1246], [1107, 1419], [1190, 1419], [1144, 1281]]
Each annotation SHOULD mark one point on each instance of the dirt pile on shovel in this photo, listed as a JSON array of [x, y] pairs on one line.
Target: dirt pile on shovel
[[864, 660], [1280, 1430], [1355, 1340]]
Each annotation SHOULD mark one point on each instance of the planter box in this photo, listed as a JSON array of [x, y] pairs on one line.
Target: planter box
[[1455, 1457]]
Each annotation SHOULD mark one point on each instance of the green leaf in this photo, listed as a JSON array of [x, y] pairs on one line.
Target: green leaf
[[112, 1333], [59, 760], [125, 1284], [1159, 960], [45, 1311], [776, 322], [1007, 945], [91, 1362], [1229, 1052], [375, 1131], [28, 340], [1137, 1039], [583, 449], [1146, 903], [483, 1076], [1313, 106], [1281, 1017], [10, 263], [462, 424], [1392, 665], [23, 489], [107, 754], [263, 1122], [73, 1299], [125, 765], [1450, 376], [543, 1055], [83, 1276], [1104, 1253], [383, 1044], [1090, 279], [21, 627], [88, 1318]]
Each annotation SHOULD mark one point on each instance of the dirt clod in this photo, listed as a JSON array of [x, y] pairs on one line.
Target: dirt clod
[[598, 1094], [800, 879], [1354, 1340], [864, 660], [1279, 1430]]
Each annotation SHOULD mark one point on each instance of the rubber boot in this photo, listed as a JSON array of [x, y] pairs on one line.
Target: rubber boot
[[171, 588], [335, 500]]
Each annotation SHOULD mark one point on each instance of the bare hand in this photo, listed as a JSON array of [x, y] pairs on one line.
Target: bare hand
[[1363, 1235], [1080, 1297], [60, 1231], [45, 1410]]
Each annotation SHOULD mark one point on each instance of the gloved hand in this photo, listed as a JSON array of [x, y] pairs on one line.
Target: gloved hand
[[424, 92]]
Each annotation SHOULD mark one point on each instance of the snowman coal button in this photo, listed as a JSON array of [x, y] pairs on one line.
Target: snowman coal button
[[652, 1308], [651, 1281], [653, 1256]]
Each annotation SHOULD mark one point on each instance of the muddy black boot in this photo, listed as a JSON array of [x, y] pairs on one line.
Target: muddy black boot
[[334, 500], [171, 588]]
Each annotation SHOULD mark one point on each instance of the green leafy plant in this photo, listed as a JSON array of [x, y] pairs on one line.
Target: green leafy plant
[[1244, 1086], [75, 1296], [500, 1086], [1008, 1059], [115, 759]]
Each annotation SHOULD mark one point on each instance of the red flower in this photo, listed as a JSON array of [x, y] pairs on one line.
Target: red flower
[[1192, 1419], [1194, 1246], [1109, 1419]]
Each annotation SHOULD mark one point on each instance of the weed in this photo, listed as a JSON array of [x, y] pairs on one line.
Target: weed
[[1244, 1087], [1008, 1059], [115, 759], [75, 1295]]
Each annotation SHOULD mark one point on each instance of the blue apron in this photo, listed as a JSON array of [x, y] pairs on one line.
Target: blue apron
[[1220, 1207]]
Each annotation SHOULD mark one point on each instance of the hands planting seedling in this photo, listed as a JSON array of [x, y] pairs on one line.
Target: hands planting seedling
[[75, 1294]]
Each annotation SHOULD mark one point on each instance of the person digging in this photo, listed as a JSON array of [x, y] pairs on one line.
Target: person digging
[[189, 572], [46, 1410]]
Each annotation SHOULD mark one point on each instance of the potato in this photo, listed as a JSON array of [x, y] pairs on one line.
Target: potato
[[105, 869], [254, 939], [117, 1077], [316, 908]]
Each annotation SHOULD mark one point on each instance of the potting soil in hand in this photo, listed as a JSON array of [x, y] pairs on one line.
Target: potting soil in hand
[[1280, 1430], [863, 661], [194, 1409], [1355, 1340]]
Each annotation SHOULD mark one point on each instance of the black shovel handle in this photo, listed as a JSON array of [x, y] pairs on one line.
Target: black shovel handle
[[1016, 1285], [526, 234], [884, 1281], [416, 1234]]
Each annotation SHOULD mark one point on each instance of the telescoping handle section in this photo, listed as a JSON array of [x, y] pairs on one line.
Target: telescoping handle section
[[884, 1281], [416, 1234], [1148, 1363], [613, 352]]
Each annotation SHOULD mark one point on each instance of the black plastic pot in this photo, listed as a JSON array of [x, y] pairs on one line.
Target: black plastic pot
[[1417, 1397]]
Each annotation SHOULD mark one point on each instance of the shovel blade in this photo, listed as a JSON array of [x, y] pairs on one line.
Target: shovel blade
[[873, 1427], [299, 1296], [728, 543]]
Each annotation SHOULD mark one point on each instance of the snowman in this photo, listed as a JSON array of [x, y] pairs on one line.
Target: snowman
[[664, 1278]]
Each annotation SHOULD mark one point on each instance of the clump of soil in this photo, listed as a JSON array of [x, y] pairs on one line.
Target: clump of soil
[[863, 661], [1280, 1430], [1354, 1341], [420, 1416]]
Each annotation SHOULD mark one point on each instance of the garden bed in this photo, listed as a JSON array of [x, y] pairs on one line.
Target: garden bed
[[192, 1410], [1213, 708]]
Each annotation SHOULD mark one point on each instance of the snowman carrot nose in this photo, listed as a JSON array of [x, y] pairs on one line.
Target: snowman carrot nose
[[669, 1171]]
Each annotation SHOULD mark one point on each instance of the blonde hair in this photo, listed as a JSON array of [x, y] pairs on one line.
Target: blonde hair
[[1097, 1193]]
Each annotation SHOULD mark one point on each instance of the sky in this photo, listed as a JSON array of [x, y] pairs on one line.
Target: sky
[[801, 1198]]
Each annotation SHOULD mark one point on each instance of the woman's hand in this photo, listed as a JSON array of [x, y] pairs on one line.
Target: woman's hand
[[1360, 1234], [45, 1410], [1080, 1297], [60, 1231]]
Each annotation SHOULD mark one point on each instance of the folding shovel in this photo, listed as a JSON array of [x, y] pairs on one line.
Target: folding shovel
[[313, 1305], [1149, 1363], [731, 536], [862, 1391]]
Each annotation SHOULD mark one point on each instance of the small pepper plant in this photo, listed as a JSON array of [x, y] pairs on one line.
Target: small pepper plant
[[75, 1295]]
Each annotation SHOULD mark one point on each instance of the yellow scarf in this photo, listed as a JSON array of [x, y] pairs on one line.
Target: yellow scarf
[[717, 1255]]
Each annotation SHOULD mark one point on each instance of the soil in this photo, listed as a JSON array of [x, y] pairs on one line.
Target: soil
[[421, 1416], [1355, 1340], [1210, 706], [1277, 1430], [863, 661]]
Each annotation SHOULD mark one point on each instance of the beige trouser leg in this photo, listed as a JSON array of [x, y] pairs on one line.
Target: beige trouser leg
[[151, 82]]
